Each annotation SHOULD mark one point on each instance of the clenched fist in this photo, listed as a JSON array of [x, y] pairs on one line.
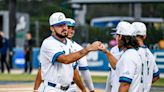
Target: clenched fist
[[94, 46], [103, 48]]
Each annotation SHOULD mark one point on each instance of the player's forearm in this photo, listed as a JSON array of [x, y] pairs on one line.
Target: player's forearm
[[70, 58], [111, 59], [87, 79], [124, 87], [38, 80], [78, 80], [67, 59]]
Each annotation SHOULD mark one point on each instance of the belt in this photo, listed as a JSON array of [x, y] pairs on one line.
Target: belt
[[64, 88]]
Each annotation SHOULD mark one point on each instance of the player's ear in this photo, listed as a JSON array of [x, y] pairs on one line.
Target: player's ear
[[51, 28]]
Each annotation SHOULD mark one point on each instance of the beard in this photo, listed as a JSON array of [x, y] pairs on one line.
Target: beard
[[61, 36]]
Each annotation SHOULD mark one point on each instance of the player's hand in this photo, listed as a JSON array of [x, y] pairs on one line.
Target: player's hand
[[103, 48], [94, 46]]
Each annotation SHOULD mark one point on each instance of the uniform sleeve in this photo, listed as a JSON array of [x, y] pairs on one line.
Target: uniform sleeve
[[52, 52], [87, 79], [83, 65], [156, 72], [127, 70]]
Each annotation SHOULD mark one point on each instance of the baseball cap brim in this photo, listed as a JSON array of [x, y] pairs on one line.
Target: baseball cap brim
[[60, 23], [70, 24]]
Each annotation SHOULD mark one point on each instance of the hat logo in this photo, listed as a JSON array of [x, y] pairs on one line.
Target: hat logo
[[60, 18]]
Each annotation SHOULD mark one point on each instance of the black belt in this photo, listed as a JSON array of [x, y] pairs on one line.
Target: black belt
[[71, 82], [61, 87]]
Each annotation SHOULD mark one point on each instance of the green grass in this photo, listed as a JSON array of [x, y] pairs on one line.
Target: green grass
[[102, 79], [17, 77], [28, 77], [99, 79], [159, 82]]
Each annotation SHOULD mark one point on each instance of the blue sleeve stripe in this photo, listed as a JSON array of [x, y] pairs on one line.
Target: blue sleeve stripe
[[56, 56], [125, 79], [83, 68], [156, 74]]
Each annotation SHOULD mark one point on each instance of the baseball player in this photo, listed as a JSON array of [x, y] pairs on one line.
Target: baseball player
[[56, 59], [81, 63], [128, 67], [150, 72], [116, 52], [39, 86]]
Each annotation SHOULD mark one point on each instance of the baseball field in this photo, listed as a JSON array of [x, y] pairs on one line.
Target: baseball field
[[24, 83]]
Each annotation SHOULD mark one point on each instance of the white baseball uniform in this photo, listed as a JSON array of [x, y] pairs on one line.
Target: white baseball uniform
[[57, 76], [112, 74], [128, 69], [149, 68], [82, 65]]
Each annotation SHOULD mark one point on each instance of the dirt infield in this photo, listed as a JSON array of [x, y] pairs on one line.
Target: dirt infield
[[26, 87]]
